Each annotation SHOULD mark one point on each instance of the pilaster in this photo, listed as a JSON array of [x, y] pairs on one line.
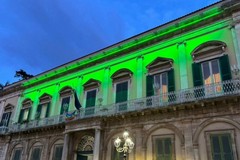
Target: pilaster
[[105, 85], [65, 147], [139, 77], [182, 61], [96, 144]]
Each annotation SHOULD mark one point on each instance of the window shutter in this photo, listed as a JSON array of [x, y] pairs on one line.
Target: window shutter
[[225, 68], [171, 81], [21, 116], [29, 114], [149, 86], [48, 109], [65, 100], [58, 153], [4, 116], [39, 109], [197, 74]]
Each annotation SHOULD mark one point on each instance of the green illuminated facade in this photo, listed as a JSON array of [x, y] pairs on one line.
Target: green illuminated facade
[[175, 88]]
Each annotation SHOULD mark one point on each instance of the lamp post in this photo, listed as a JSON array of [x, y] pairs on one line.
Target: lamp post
[[127, 146]]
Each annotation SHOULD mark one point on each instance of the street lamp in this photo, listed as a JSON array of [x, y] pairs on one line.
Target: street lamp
[[127, 146]]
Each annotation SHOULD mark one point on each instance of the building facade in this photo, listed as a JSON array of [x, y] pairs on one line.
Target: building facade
[[175, 88]]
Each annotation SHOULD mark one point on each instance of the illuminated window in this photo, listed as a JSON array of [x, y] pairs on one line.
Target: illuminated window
[[211, 66], [25, 111], [160, 81]]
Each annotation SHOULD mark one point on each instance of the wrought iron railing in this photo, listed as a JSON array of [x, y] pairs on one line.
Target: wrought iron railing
[[226, 88]]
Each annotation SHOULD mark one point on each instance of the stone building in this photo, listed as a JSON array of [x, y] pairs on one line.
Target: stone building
[[175, 88]]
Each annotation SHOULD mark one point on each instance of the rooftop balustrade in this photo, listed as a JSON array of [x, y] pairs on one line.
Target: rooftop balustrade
[[217, 90]]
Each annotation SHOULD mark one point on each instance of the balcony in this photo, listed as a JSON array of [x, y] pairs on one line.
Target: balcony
[[226, 88]]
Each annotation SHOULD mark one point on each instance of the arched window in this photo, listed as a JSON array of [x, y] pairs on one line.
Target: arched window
[[211, 65], [65, 94], [57, 150], [17, 152], [44, 106], [121, 82], [36, 151], [91, 88], [160, 78], [25, 111], [6, 115]]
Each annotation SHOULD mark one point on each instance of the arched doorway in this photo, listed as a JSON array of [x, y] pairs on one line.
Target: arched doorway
[[85, 148]]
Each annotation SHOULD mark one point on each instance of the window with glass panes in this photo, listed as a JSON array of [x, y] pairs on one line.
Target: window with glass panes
[[221, 146], [65, 104], [36, 153], [24, 114], [57, 153], [163, 148], [5, 118], [160, 85], [43, 110], [90, 101], [17, 154]]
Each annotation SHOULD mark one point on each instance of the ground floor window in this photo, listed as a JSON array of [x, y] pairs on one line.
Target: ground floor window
[[221, 146], [36, 153], [163, 147], [57, 153], [17, 154]]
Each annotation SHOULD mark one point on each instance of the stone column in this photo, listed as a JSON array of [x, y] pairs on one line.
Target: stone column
[[139, 77], [105, 85], [96, 144], [182, 61], [188, 145], [65, 147]]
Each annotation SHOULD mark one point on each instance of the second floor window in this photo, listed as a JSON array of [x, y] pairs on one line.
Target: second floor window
[[65, 94], [25, 111], [6, 115], [160, 80], [121, 82], [44, 106]]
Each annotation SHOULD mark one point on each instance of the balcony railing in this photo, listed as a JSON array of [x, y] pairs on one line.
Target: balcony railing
[[37, 123], [226, 88]]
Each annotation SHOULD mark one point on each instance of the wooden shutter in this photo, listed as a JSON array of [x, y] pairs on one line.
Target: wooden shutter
[[39, 109], [21, 116], [91, 98], [225, 68], [48, 109], [171, 81], [29, 114], [121, 92], [36, 154], [149, 86], [197, 74]]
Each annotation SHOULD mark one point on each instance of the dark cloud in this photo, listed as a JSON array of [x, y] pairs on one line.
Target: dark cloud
[[37, 35]]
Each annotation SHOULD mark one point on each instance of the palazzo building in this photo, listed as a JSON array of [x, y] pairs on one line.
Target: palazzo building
[[175, 88]]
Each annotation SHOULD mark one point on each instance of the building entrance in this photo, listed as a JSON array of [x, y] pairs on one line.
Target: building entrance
[[85, 148]]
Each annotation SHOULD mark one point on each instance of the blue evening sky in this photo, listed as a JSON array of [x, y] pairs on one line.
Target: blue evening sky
[[37, 35]]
